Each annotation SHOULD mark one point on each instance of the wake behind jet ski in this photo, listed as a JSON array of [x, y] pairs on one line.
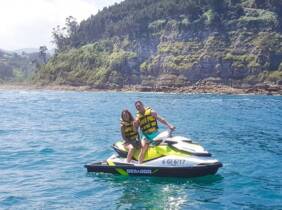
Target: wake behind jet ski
[[173, 156]]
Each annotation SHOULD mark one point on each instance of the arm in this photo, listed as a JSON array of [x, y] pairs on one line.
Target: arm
[[163, 121], [136, 124], [123, 134]]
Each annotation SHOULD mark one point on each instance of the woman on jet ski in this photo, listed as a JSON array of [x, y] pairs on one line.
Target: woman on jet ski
[[147, 119], [129, 134]]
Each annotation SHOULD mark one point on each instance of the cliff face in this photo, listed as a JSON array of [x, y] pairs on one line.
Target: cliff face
[[229, 42], [234, 58]]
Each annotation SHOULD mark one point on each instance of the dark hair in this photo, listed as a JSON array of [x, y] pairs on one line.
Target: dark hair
[[128, 112], [138, 102]]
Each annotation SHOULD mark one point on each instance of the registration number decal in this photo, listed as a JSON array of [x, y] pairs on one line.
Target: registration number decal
[[173, 162]]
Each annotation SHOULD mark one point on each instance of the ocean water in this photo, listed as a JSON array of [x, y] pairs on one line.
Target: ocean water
[[46, 137]]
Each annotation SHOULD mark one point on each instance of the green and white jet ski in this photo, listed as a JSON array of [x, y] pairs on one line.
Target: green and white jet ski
[[174, 156]]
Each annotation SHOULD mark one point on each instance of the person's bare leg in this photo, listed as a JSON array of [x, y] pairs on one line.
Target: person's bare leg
[[130, 153], [144, 148]]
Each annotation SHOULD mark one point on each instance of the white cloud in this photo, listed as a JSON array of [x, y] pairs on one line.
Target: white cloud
[[29, 23]]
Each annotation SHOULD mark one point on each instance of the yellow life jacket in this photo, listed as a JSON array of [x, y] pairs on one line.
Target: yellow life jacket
[[129, 130], [148, 123]]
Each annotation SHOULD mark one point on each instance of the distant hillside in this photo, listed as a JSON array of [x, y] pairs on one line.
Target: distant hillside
[[26, 50], [170, 43], [18, 67], [32, 50]]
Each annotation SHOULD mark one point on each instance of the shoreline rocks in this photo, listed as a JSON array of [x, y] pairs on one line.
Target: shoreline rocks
[[213, 89]]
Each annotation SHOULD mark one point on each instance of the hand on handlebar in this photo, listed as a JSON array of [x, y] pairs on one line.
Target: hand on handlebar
[[172, 128]]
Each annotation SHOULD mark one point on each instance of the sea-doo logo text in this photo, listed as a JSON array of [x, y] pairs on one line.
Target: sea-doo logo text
[[172, 162], [139, 171]]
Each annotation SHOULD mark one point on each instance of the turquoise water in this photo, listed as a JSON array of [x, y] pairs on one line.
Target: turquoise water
[[46, 138]]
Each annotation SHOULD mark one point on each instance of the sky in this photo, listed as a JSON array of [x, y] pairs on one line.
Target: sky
[[29, 23]]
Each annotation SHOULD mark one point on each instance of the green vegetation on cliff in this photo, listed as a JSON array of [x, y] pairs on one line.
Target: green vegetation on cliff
[[101, 64], [170, 43]]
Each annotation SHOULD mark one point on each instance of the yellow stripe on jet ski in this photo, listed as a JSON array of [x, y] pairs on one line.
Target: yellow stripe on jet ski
[[110, 163], [119, 170], [159, 151], [154, 152], [122, 171], [155, 171]]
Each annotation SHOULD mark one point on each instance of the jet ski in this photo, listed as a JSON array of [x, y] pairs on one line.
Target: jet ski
[[175, 156]]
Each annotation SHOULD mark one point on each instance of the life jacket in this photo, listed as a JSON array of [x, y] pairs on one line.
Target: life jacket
[[148, 123], [129, 130]]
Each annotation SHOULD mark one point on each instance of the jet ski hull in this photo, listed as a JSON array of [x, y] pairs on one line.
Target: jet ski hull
[[130, 169], [169, 157]]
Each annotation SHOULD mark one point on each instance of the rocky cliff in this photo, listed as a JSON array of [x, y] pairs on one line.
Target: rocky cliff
[[171, 43]]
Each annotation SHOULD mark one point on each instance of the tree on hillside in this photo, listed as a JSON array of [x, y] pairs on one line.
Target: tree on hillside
[[43, 53], [67, 36], [6, 71]]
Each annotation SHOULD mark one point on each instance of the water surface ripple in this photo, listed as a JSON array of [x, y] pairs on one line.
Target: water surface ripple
[[46, 137]]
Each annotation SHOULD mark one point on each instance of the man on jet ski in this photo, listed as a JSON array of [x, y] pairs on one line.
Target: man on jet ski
[[129, 134], [146, 119]]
